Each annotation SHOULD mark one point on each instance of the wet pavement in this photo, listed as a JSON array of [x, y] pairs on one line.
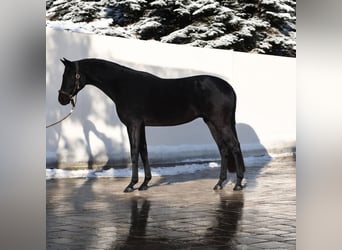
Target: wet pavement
[[177, 212]]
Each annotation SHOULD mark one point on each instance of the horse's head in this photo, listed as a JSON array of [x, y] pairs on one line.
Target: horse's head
[[71, 83]]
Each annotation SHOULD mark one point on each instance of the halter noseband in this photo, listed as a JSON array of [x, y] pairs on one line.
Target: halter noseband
[[76, 87]]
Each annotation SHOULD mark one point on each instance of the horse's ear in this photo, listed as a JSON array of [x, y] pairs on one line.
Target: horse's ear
[[65, 61]]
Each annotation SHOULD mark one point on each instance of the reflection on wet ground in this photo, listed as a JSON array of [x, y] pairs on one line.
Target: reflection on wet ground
[[178, 212]]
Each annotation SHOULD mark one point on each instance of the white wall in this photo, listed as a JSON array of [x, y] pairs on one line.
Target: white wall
[[265, 87]]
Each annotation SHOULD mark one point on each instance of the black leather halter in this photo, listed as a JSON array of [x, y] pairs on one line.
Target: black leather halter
[[76, 86]]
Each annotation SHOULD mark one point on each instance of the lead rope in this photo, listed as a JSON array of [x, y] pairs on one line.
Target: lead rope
[[73, 103]]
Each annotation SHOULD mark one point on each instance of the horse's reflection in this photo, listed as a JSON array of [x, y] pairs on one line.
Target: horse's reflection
[[225, 225], [139, 217], [223, 219]]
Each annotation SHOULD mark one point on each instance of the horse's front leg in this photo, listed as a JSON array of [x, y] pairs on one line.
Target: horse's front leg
[[144, 157], [133, 130]]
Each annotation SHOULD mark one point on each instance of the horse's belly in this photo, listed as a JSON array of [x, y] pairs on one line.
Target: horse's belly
[[170, 118], [160, 123]]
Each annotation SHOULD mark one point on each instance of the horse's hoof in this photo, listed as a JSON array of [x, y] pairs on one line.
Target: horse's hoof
[[218, 187], [129, 189], [238, 187], [143, 187]]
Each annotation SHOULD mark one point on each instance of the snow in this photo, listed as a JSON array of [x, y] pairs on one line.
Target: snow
[[134, 5], [256, 22], [149, 25], [281, 5], [158, 3], [181, 11], [176, 35], [247, 31], [205, 9], [126, 172], [285, 16], [80, 27], [249, 21], [182, 168], [223, 41], [58, 2]]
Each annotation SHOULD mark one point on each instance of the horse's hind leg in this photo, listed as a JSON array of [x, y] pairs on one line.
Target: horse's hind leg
[[144, 157], [228, 144], [223, 153], [238, 159], [233, 145]]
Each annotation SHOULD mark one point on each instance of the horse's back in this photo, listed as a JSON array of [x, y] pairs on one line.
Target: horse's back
[[184, 99], [165, 102]]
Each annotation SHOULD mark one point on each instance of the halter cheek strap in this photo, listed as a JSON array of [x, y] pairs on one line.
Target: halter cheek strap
[[76, 86]]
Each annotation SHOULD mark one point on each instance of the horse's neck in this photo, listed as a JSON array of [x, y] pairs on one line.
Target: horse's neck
[[104, 76]]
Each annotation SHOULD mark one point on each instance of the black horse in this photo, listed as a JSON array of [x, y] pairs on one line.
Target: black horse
[[143, 99]]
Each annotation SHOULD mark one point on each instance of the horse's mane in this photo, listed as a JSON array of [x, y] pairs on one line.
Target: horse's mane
[[117, 66]]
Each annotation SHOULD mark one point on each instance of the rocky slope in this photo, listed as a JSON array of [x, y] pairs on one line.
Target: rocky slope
[[258, 26]]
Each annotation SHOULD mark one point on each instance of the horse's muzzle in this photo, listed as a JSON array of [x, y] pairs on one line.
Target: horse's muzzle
[[64, 98]]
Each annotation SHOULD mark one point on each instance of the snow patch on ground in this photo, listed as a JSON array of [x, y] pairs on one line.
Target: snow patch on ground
[[157, 171]]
